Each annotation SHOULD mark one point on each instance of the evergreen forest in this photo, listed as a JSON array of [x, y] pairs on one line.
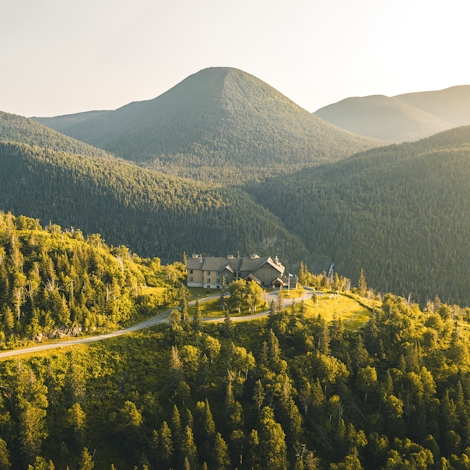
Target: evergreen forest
[[290, 391], [152, 213], [400, 212]]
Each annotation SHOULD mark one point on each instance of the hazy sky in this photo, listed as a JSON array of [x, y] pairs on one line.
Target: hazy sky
[[63, 56]]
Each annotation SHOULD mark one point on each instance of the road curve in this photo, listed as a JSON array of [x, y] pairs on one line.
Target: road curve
[[156, 320]]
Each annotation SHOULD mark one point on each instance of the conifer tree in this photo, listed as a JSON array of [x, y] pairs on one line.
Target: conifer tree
[[258, 395], [86, 462], [220, 456], [197, 320], [165, 445], [362, 284], [188, 447], [4, 456]]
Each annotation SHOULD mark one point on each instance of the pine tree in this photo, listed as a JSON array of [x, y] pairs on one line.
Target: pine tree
[[4, 456], [273, 448], [197, 320], [362, 285], [165, 444], [258, 395], [188, 447], [220, 457], [228, 324], [176, 428], [86, 461], [303, 274]]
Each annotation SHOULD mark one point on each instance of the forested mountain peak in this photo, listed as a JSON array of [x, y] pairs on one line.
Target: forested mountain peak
[[219, 123], [382, 117], [21, 129]]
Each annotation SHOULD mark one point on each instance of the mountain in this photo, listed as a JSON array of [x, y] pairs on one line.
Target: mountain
[[451, 104], [152, 213], [382, 117], [20, 129], [61, 123], [401, 212], [220, 123]]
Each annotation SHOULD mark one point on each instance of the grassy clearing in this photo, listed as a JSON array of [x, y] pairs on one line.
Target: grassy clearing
[[199, 292], [293, 293], [211, 308], [351, 312]]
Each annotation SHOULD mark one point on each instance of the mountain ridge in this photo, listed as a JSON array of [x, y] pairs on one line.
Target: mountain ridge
[[15, 128], [382, 117], [451, 104], [219, 117]]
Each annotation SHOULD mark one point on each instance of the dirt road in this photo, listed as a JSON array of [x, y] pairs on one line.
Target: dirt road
[[156, 320]]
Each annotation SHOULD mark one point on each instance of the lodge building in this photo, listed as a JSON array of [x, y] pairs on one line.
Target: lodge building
[[214, 272]]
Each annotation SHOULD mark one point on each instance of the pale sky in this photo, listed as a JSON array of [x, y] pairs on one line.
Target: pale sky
[[63, 56]]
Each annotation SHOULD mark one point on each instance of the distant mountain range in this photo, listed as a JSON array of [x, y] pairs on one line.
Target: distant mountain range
[[218, 124], [383, 118], [401, 118], [400, 212], [451, 104]]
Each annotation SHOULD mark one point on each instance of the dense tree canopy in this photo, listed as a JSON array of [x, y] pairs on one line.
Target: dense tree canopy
[[56, 283], [400, 212], [153, 214]]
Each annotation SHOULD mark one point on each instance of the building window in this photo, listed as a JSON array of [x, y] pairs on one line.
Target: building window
[[190, 278], [208, 273], [218, 280], [190, 271], [208, 280]]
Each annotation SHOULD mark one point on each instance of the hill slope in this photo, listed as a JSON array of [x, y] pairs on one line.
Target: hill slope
[[451, 104], [219, 117], [154, 214], [20, 129], [383, 118], [400, 212], [61, 123]]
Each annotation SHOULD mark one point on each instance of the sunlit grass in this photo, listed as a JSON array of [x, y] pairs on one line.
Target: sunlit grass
[[329, 306]]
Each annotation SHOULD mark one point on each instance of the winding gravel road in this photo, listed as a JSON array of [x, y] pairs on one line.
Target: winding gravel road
[[156, 320]]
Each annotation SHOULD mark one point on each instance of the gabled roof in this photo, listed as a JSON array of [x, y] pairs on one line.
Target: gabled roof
[[244, 265], [253, 278]]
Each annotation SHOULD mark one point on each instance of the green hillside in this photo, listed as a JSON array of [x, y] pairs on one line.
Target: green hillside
[[20, 129], [381, 117], [219, 124], [56, 283], [401, 212], [153, 214], [294, 391], [61, 123], [451, 104]]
